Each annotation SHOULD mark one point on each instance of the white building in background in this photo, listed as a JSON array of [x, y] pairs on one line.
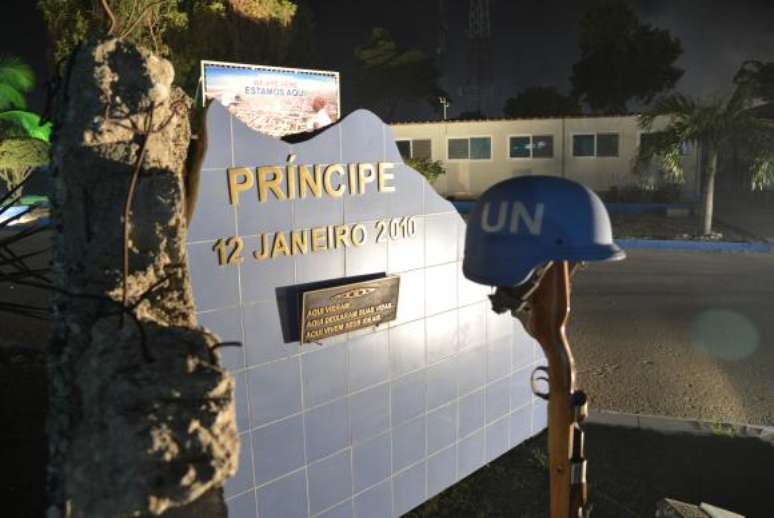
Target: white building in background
[[598, 151]]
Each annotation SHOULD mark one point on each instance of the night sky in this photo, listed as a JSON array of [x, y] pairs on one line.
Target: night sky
[[534, 41]]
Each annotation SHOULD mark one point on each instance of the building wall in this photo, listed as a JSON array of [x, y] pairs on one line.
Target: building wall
[[598, 173]]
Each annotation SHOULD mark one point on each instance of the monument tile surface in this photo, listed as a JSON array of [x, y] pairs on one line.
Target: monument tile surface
[[370, 422]]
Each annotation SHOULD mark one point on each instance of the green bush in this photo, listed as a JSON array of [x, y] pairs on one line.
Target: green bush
[[428, 168], [660, 193]]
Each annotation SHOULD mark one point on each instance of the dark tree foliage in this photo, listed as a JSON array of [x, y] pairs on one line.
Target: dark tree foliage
[[540, 101], [16, 80], [388, 75], [622, 59], [470, 116], [144, 22], [302, 49], [759, 77], [270, 32], [240, 31]]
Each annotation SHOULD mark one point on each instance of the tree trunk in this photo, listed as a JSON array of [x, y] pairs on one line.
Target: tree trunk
[[709, 190], [141, 418]]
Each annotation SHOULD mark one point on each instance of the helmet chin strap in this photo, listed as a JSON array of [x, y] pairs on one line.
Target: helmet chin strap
[[516, 298]]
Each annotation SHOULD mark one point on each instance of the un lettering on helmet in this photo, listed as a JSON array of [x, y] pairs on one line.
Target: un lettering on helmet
[[520, 218]]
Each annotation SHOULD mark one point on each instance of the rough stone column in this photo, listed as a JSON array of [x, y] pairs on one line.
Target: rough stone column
[[141, 417]]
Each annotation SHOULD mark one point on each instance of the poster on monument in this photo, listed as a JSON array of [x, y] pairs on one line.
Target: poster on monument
[[272, 100]]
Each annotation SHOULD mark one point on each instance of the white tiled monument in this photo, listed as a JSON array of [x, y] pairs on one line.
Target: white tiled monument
[[372, 422]]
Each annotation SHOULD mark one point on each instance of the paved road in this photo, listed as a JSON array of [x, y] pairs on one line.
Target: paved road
[[687, 334]]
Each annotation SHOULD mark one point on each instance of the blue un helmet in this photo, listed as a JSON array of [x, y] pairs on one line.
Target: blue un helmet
[[522, 223]]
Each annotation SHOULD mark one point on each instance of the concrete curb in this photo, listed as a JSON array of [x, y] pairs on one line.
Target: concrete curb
[[671, 425], [677, 244], [616, 207], [465, 206]]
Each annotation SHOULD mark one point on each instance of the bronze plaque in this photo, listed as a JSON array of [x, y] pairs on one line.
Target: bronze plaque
[[341, 309]]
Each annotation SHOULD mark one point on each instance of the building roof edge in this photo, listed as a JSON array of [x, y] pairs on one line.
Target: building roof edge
[[509, 119]]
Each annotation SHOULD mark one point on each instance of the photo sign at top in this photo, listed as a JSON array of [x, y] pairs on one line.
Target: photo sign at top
[[399, 381], [274, 100]]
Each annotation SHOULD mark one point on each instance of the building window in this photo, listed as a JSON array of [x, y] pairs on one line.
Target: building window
[[595, 144], [583, 145], [473, 148], [416, 148], [458, 149], [543, 146], [531, 146], [607, 144], [480, 148], [421, 149], [520, 147], [404, 146]]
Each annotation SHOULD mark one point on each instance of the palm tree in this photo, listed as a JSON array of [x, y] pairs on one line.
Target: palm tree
[[712, 123], [23, 144], [16, 81], [23, 140]]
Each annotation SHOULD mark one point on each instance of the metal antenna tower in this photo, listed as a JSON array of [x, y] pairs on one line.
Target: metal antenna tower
[[478, 56], [443, 29], [478, 19]]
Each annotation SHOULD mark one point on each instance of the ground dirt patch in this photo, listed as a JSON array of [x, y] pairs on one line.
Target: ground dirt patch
[[23, 446], [629, 471], [659, 226]]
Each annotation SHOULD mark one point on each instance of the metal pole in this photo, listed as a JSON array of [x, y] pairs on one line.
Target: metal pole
[[445, 103]]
